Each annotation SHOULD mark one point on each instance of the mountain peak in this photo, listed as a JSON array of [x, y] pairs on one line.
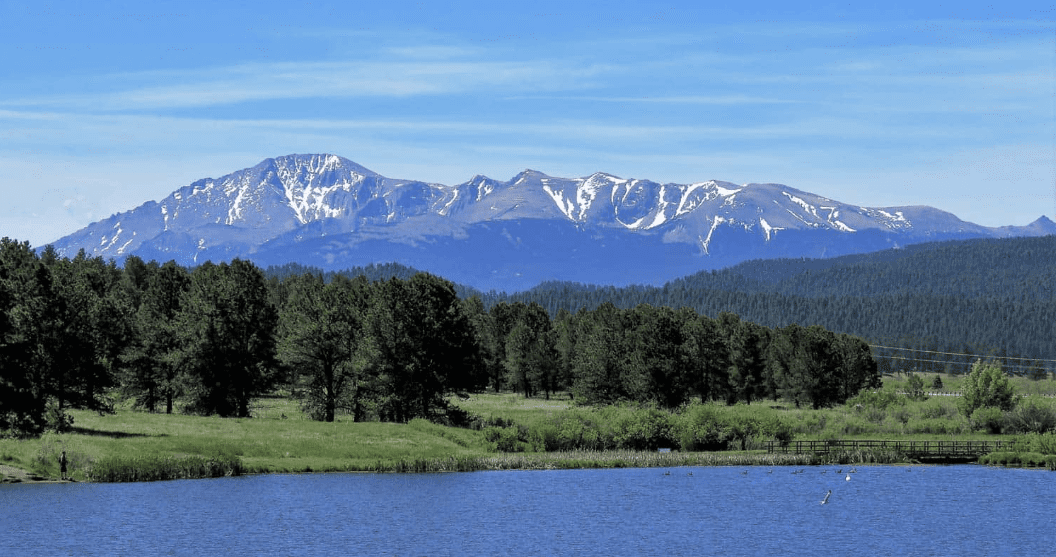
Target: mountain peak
[[326, 210], [319, 163]]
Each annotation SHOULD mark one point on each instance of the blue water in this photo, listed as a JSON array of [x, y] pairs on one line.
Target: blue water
[[882, 510]]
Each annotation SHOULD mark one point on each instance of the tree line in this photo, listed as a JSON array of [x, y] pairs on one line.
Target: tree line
[[984, 298], [75, 333]]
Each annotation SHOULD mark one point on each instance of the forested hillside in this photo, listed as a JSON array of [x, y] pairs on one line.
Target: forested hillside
[[929, 307], [941, 300]]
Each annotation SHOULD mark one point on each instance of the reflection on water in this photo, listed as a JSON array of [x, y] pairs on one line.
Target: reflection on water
[[881, 510]]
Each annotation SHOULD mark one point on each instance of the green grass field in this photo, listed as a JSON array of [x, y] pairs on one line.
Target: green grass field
[[265, 443], [280, 439]]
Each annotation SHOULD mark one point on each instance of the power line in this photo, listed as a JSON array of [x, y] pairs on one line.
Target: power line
[[979, 356], [1016, 368]]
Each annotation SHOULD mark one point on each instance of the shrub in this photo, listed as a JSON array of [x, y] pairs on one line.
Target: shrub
[[779, 430], [57, 419], [697, 429], [1044, 444], [1000, 458], [646, 428], [915, 388], [937, 411], [507, 439], [936, 384], [988, 419], [901, 415], [813, 423], [1032, 459], [937, 426], [1031, 418], [874, 415], [857, 426], [875, 399]]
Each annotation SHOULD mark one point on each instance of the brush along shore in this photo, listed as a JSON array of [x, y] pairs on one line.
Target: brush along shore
[[510, 432]]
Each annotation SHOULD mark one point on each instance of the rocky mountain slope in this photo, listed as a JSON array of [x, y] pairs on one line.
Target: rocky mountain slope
[[327, 211]]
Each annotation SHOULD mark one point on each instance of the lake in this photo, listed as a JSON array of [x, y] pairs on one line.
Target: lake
[[881, 510]]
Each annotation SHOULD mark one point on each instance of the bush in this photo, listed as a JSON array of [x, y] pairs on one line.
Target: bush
[[777, 429], [1044, 444], [937, 411], [813, 423], [1032, 459], [901, 415], [937, 426], [507, 439], [936, 384], [858, 426], [988, 419], [881, 399], [698, 429], [915, 388], [647, 428], [1031, 418], [57, 419], [998, 458]]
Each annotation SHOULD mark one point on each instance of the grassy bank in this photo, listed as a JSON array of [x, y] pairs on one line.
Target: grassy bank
[[517, 433], [278, 439]]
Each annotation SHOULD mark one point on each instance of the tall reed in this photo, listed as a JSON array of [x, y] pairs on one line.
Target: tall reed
[[147, 469]]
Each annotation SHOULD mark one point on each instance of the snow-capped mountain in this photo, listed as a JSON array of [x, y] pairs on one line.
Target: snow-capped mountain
[[330, 212]]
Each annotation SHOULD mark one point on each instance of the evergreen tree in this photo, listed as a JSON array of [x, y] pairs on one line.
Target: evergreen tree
[[423, 339], [227, 326], [323, 337], [152, 360], [23, 353], [705, 356], [653, 342], [530, 353], [597, 368], [477, 376]]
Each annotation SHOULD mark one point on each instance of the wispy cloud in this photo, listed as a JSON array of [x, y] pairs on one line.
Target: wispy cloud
[[302, 80], [679, 99]]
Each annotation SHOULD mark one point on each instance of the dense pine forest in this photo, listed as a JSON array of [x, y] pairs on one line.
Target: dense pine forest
[[84, 333], [929, 307]]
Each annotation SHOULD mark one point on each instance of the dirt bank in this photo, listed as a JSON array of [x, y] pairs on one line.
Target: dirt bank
[[12, 475]]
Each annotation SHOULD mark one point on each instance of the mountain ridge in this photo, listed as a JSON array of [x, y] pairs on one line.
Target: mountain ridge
[[331, 212]]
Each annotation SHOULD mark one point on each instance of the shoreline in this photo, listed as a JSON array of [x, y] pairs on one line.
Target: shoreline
[[10, 475], [567, 460], [14, 475]]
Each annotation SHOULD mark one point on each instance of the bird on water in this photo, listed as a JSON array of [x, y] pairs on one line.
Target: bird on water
[[826, 499]]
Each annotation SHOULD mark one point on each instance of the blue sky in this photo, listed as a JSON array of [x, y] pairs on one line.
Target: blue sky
[[106, 105]]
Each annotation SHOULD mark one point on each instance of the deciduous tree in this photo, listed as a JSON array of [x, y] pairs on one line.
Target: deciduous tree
[[986, 386]]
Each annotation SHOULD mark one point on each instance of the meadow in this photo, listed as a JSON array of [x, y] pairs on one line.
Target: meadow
[[508, 431]]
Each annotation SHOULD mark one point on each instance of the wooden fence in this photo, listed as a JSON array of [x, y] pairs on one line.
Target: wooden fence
[[913, 449]]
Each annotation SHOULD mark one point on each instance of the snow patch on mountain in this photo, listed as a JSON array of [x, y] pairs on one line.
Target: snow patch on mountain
[[564, 205], [767, 228], [661, 210], [725, 192], [587, 192], [706, 242]]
